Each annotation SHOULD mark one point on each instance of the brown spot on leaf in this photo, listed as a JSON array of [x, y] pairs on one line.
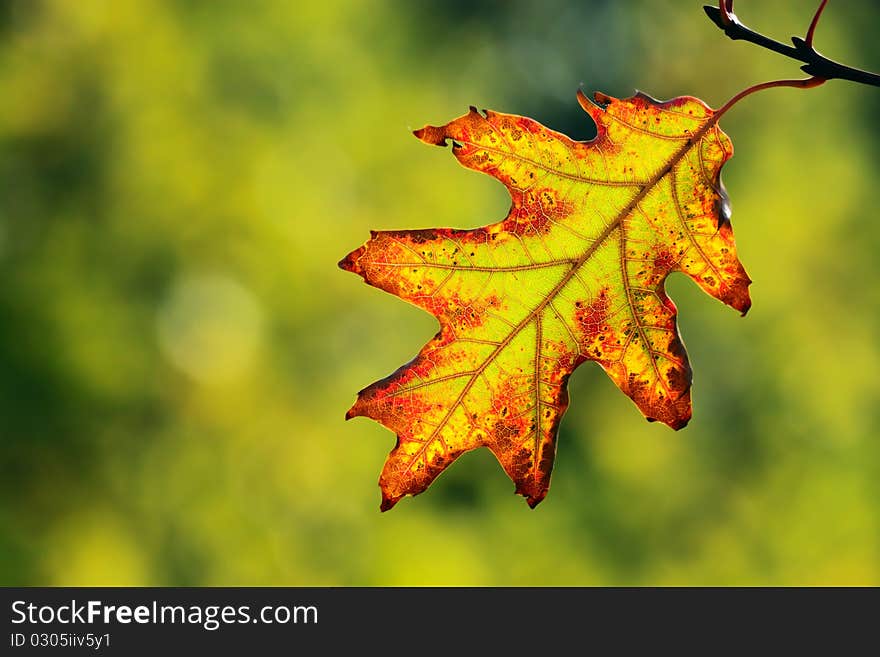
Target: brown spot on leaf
[[592, 319], [535, 210], [664, 261]]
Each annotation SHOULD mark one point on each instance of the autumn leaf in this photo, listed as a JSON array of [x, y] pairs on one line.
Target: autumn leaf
[[575, 272]]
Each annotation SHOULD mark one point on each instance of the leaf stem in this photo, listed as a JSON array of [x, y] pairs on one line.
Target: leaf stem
[[815, 64], [806, 83]]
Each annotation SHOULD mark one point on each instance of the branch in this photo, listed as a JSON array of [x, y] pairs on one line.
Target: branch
[[803, 51]]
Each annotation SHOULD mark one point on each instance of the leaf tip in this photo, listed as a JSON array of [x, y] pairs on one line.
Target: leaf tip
[[534, 501], [595, 111], [588, 105], [675, 412], [388, 502], [431, 134], [603, 99], [738, 298], [674, 423], [532, 490], [351, 262], [357, 409]]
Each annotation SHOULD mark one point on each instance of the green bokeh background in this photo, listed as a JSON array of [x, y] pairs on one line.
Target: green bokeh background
[[178, 348]]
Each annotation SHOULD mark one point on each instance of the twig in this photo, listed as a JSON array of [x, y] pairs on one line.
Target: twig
[[815, 64], [725, 9], [813, 23]]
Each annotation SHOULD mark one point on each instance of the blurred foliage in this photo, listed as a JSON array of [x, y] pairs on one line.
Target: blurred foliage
[[177, 347]]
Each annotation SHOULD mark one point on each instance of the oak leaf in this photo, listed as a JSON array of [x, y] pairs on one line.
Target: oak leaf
[[575, 272]]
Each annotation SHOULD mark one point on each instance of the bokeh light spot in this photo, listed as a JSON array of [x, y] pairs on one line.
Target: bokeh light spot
[[210, 328]]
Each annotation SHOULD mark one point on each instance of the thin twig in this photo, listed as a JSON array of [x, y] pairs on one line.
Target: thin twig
[[725, 8], [812, 30], [815, 64]]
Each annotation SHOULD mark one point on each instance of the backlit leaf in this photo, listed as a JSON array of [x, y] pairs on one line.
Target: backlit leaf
[[575, 272]]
